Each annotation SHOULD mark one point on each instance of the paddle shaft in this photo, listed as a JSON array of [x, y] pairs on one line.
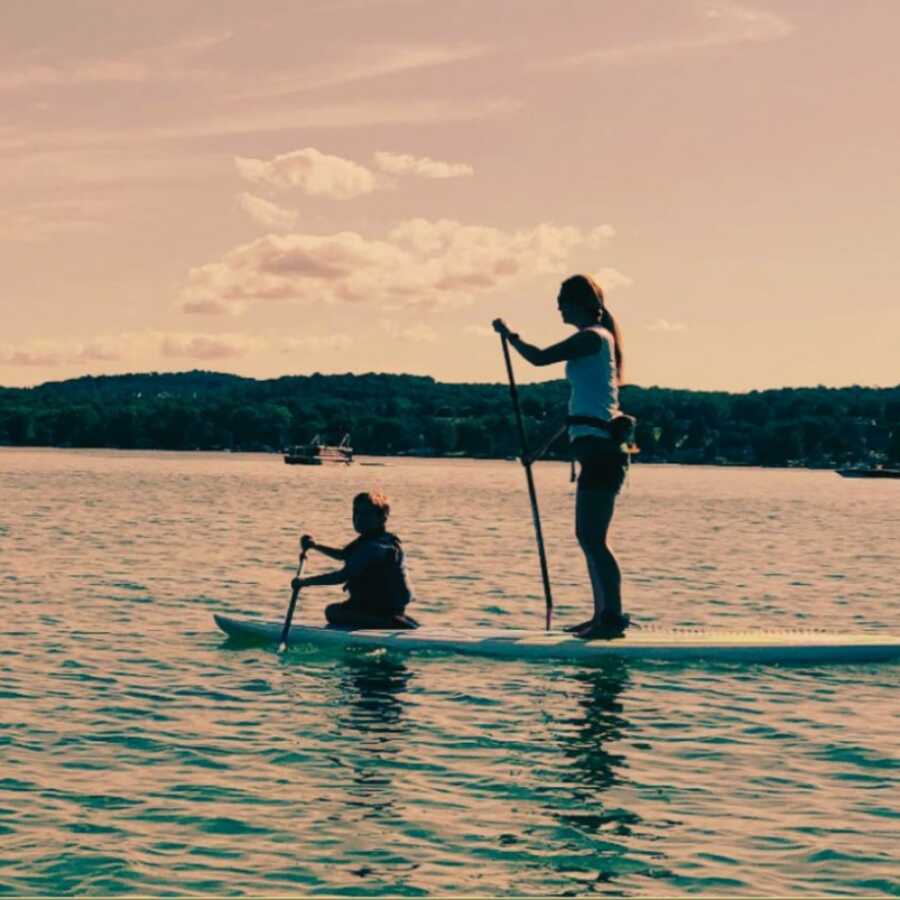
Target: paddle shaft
[[290, 613], [532, 494]]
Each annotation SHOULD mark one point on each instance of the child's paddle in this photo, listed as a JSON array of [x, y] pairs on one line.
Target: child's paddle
[[282, 645]]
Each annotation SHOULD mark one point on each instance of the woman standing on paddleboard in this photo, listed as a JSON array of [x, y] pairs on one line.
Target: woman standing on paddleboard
[[597, 432]]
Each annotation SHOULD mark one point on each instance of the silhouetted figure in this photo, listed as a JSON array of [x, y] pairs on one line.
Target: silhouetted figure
[[598, 433], [374, 574]]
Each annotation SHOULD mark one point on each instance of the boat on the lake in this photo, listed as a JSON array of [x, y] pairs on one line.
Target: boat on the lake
[[316, 452], [868, 472]]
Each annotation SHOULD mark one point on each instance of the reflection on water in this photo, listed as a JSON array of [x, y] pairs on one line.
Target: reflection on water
[[599, 724], [368, 720], [371, 689], [592, 741]]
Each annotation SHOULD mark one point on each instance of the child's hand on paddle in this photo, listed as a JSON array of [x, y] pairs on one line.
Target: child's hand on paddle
[[501, 327], [307, 542]]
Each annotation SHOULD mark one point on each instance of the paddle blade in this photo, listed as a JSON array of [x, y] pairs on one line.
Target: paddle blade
[[287, 621], [282, 644]]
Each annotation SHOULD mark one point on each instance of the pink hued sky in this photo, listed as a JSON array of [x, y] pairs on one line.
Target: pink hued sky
[[278, 188]]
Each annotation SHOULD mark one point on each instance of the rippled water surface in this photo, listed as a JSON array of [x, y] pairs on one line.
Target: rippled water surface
[[143, 754]]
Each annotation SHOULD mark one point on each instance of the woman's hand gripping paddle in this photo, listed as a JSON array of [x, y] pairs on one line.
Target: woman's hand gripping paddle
[[282, 644]]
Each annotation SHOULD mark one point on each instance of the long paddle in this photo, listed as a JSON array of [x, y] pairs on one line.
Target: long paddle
[[526, 462], [282, 644]]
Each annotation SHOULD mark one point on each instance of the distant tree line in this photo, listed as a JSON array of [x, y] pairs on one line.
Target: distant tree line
[[405, 414]]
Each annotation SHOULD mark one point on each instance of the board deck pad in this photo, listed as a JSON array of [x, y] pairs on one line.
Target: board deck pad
[[776, 646]]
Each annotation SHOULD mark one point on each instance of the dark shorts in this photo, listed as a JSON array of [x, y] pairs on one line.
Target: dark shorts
[[349, 615], [602, 464]]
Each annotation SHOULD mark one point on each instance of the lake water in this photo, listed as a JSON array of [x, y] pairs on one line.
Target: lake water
[[143, 755]]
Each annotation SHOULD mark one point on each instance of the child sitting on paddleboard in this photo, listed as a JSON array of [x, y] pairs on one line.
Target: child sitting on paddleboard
[[373, 573]]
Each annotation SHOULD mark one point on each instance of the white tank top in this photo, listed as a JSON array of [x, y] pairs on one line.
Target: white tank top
[[594, 388]]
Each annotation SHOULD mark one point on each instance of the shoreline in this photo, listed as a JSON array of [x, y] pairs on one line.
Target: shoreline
[[401, 415], [827, 467]]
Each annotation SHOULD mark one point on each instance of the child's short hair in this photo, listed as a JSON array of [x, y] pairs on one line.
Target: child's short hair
[[374, 500]]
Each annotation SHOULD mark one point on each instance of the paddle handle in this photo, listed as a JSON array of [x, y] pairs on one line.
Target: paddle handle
[[532, 494], [282, 644]]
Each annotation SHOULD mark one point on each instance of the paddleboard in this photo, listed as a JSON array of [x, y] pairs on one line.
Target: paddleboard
[[785, 646]]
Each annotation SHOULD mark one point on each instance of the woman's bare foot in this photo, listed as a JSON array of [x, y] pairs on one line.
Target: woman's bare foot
[[606, 628]]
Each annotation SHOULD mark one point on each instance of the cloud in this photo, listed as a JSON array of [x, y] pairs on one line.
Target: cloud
[[602, 233], [403, 163], [208, 346], [419, 262], [34, 353], [128, 346], [103, 349], [266, 213], [22, 144], [162, 63], [479, 330], [314, 172], [433, 111], [379, 61], [39, 221], [325, 175], [721, 24], [40, 352], [314, 343], [665, 325], [100, 71], [610, 279], [211, 305], [417, 333]]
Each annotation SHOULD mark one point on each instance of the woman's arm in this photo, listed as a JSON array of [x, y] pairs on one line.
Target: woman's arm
[[582, 343], [539, 453]]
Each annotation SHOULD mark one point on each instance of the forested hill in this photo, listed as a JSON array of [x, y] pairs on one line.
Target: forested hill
[[413, 414]]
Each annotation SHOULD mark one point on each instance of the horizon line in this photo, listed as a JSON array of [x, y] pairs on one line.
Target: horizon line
[[155, 372]]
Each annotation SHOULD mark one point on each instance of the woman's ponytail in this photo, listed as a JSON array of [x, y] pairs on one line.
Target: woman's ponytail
[[596, 302], [609, 323]]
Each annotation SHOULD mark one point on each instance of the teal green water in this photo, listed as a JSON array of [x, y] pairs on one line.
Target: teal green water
[[142, 754]]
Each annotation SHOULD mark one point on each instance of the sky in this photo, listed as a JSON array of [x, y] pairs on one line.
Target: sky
[[363, 185]]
